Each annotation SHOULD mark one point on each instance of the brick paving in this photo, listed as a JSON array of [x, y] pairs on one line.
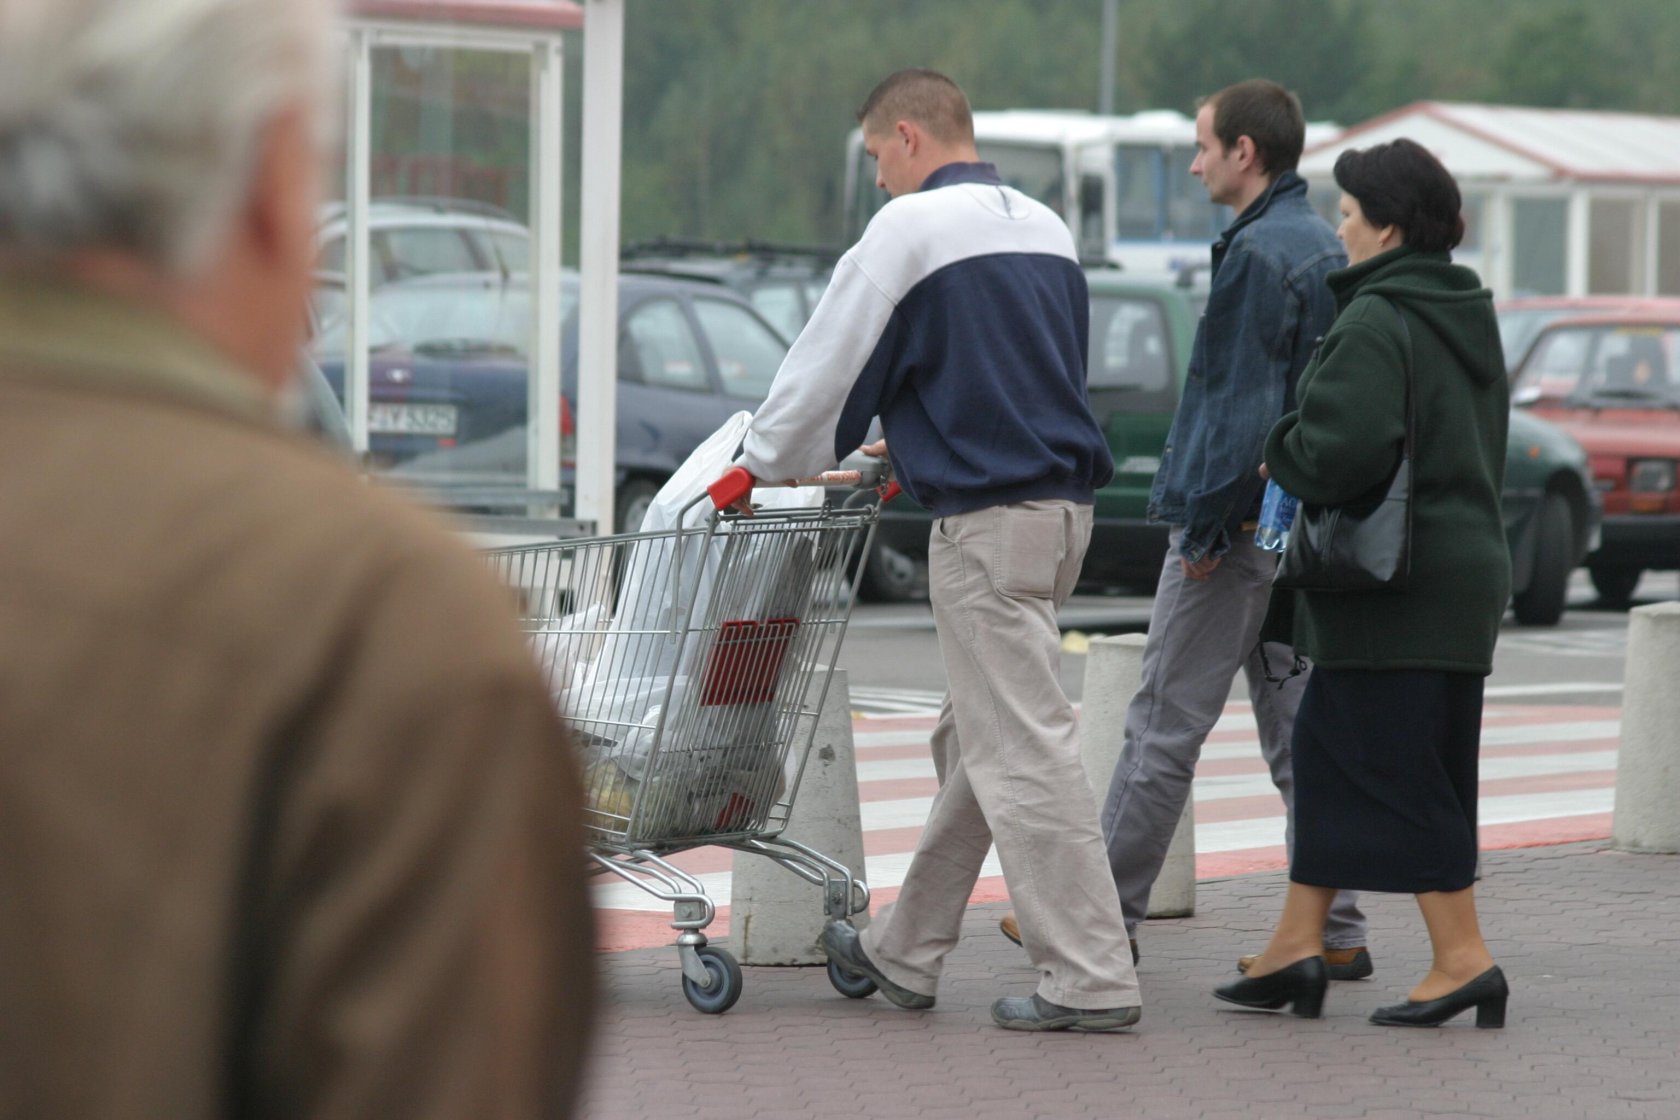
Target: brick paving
[[1590, 939]]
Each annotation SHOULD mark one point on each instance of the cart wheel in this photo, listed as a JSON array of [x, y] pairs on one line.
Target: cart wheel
[[852, 985], [725, 987]]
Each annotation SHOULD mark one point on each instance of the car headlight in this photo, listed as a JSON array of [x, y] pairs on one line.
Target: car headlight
[[1651, 476]]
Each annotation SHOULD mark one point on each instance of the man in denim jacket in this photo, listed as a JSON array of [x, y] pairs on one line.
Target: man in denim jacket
[[1268, 305]]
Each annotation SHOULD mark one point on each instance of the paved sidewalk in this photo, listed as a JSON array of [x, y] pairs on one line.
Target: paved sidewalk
[[1589, 938]]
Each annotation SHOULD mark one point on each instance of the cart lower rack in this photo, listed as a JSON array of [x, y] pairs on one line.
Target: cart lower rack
[[691, 663]]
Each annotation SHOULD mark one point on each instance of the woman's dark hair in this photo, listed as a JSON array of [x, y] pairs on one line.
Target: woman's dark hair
[[1401, 184]]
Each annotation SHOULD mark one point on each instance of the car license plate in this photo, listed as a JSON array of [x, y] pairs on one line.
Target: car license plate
[[412, 419]]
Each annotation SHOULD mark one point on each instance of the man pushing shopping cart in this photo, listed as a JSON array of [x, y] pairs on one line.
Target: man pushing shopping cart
[[960, 319]]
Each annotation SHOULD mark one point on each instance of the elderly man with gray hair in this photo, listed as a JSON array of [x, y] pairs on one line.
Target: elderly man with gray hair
[[287, 823]]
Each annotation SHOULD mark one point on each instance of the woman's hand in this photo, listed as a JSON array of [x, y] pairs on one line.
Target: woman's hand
[[1264, 473]]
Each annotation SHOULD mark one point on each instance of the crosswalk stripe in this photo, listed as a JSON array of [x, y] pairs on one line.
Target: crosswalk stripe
[[1540, 764]]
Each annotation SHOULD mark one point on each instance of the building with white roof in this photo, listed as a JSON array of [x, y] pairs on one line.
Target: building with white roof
[[1557, 201]]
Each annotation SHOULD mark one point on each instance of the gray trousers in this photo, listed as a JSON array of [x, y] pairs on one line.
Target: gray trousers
[[1200, 633], [1006, 749]]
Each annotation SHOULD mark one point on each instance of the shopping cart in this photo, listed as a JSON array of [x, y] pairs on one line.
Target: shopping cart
[[692, 663]]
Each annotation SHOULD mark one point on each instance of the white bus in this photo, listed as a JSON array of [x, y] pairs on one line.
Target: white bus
[[1122, 183]]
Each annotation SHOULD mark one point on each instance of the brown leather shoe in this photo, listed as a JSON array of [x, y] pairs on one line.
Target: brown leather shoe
[[1012, 930], [1353, 963]]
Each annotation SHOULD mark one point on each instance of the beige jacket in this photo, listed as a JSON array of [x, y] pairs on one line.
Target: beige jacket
[[287, 823]]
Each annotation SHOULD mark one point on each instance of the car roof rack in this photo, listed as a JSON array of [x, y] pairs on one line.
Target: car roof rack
[[766, 251], [438, 204]]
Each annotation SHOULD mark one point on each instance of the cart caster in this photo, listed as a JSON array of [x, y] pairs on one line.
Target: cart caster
[[724, 988], [852, 985]]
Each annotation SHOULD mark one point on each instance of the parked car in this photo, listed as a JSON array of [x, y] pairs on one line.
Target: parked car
[[1521, 318], [1139, 354], [418, 236], [447, 377], [784, 282], [1613, 382]]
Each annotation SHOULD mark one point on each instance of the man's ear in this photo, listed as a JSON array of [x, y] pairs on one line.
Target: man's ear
[[909, 135], [1247, 155]]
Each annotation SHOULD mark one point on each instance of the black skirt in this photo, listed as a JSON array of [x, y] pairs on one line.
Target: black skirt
[[1385, 780]]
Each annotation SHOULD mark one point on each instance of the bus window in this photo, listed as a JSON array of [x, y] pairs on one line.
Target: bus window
[[1138, 172], [1034, 171], [1190, 216]]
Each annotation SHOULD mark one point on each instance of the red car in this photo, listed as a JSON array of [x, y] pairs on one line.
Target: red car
[[1521, 318], [1613, 382]]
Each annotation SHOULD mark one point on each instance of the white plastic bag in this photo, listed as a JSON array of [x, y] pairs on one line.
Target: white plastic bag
[[724, 754]]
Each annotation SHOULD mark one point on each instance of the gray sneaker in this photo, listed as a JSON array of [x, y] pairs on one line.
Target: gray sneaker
[[1035, 1013], [840, 942]]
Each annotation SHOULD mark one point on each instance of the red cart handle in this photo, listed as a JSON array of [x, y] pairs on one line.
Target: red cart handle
[[737, 483]]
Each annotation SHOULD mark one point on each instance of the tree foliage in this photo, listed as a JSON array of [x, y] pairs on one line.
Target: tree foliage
[[736, 111]]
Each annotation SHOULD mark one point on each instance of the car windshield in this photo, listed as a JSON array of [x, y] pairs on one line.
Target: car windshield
[[478, 317], [1633, 364], [1518, 326]]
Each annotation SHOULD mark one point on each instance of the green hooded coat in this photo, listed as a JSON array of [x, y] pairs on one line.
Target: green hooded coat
[[1343, 443]]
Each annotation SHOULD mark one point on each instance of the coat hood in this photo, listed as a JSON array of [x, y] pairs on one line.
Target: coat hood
[[1444, 298]]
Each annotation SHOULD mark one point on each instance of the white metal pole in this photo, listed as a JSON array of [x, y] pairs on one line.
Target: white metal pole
[[603, 99], [1579, 243], [1648, 246], [542, 396], [1497, 239], [357, 259]]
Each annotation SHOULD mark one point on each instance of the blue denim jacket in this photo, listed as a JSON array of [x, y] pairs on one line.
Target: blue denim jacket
[[1268, 307]]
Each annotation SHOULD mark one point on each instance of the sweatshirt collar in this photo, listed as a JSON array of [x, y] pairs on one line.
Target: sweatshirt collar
[[953, 173]]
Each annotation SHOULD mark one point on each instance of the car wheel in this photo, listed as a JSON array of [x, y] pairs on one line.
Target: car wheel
[[891, 576], [1615, 585], [634, 498], [1541, 602]]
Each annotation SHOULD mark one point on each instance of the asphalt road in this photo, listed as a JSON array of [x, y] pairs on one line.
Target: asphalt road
[[891, 649]]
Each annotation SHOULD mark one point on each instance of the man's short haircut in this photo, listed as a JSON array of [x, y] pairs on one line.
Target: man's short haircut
[[135, 126], [1267, 114], [1402, 184], [924, 97]]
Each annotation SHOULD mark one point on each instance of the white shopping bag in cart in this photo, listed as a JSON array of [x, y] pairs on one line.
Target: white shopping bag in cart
[[617, 698]]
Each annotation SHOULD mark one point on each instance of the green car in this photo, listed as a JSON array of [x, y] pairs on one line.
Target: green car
[[1141, 333]]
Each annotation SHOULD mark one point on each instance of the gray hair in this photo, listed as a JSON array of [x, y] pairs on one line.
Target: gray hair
[[133, 125]]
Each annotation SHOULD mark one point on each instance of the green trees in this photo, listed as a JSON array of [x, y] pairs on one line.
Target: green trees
[[736, 111]]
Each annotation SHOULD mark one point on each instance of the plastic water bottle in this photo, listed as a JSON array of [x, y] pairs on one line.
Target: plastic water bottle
[[1277, 514]]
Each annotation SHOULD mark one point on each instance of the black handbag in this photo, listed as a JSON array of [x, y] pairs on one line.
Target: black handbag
[[1363, 545]]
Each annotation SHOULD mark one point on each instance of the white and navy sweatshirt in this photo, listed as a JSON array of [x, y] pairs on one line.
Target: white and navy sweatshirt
[[961, 319]]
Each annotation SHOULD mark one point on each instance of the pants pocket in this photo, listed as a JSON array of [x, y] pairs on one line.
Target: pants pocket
[[1031, 544]]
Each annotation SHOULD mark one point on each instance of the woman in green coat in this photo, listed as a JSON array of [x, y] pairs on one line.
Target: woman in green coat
[[1387, 737]]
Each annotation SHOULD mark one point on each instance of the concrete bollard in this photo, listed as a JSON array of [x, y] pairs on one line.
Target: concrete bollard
[[1113, 672], [1648, 763], [775, 917]]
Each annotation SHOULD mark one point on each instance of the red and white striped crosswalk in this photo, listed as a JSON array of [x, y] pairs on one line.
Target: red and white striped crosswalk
[[1547, 776]]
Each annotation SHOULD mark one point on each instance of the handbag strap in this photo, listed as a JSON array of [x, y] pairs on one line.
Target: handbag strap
[[1411, 405]]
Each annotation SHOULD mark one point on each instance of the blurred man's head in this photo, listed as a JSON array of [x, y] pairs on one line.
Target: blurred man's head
[[169, 150], [915, 122]]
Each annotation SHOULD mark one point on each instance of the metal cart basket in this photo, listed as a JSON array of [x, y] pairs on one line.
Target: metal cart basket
[[691, 664]]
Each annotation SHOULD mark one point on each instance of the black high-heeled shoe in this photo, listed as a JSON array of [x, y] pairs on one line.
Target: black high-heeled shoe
[[1301, 985], [1486, 993]]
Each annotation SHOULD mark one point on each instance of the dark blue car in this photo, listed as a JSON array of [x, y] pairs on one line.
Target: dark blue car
[[448, 370]]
